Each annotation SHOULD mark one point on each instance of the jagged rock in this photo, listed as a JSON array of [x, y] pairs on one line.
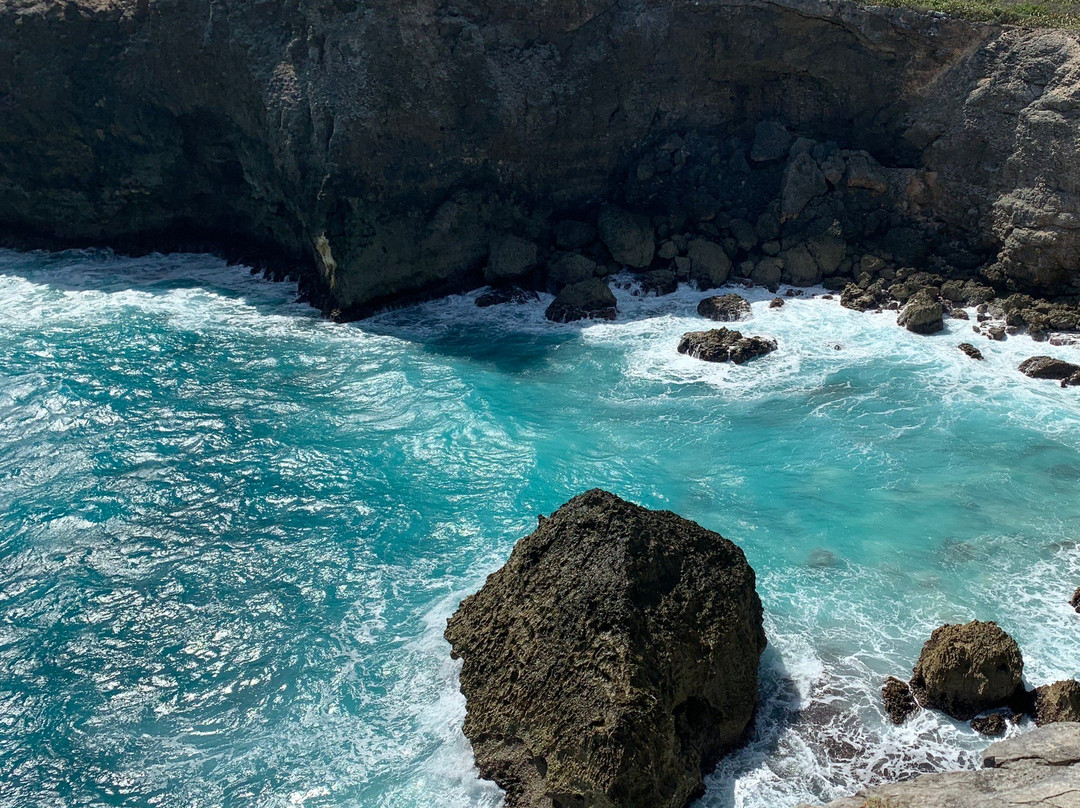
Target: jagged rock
[[922, 314], [966, 669], [509, 258], [802, 182], [864, 172], [776, 303], [993, 725], [612, 660], [658, 282], [856, 298], [1046, 367], [1037, 769], [628, 236], [571, 234], [771, 142], [591, 299], [724, 345], [565, 269], [898, 700], [1057, 702], [512, 294], [970, 350], [959, 314], [709, 264], [725, 308]]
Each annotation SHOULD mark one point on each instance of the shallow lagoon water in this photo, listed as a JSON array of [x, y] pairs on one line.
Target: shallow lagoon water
[[231, 533]]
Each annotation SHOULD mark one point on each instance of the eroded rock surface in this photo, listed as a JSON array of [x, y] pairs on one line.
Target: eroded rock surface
[[725, 308], [1038, 769], [724, 345], [612, 660]]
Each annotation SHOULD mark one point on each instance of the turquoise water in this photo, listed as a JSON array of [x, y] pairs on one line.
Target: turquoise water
[[231, 533]]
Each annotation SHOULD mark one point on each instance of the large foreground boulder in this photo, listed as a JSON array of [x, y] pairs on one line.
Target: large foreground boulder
[[611, 661], [724, 345], [965, 669]]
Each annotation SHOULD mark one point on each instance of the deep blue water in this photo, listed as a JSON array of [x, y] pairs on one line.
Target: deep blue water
[[231, 533]]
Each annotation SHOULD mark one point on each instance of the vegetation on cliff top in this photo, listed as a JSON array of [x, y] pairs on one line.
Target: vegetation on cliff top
[[1010, 12]]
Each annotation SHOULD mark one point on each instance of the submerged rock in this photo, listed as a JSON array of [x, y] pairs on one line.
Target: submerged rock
[[724, 345], [512, 294], [922, 314], [612, 660], [776, 303], [725, 308], [580, 301], [1057, 702], [898, 700], [966, 669], [1046, 367], [970, 350]]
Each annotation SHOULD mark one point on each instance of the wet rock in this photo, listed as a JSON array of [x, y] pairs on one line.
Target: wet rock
[[922, 314], [612, 660], [591, 299], [574, 235], [966, 669], [658, 282], [959, 314], [993, 725], [1057, 702], [970, 350], [776, 303], [725, 308], [995, 332], [898, 700], [856, 298], [709, 264], [724, 345], [512, 294], [565, 269], [509, 258], [1074, 601], [771, 142], [628, 236], [1046, 367]]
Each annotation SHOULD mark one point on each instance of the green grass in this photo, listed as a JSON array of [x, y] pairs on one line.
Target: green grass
[[1032, 15]]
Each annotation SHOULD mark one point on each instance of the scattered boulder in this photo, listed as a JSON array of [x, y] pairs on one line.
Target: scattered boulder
[[724, 345], [565, 269], [993, 725], [509, 258], [959, 314], [725, 308], [970, 350], [856, 298], [709, 264], [613, 659], [1074, 601], [574, 235], [966, 669], [1057, 702], [658, 282], [776, 303], [628, 236], [1046, 367], [512, 294], [899, 702], [579, 301], [771, 142], [922, 314]]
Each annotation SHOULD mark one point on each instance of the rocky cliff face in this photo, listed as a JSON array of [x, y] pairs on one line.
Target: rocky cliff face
[[387, 144]]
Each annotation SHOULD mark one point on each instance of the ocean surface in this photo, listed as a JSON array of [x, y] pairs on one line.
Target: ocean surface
[[231, 532]]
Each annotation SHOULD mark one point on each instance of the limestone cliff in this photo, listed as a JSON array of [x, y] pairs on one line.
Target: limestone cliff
[[386, 144]]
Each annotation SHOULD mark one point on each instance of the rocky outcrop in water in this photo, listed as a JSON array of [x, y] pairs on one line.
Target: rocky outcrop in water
[[1046, 367], [724, 345], [922, 314], [587, 300], [898, 700], [965, 669], [612, 660], [1058, 702], [970, 350], [394, 151], [1039, 769], [725, 308]]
